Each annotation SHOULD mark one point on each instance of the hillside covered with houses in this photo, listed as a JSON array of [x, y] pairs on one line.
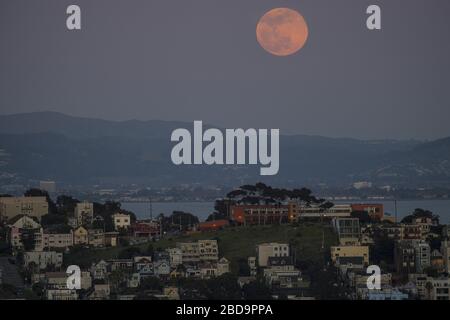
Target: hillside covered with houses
[[260, 243]]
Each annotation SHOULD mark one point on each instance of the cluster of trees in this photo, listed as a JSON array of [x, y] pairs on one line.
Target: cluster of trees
[[262, 193], [421, 213], [178, 221]]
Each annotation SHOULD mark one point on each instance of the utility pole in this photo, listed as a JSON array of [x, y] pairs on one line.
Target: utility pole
[[395, 206], [150, 208]]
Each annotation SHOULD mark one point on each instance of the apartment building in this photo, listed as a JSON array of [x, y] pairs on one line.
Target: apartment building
[[190, 252], [404, 257], [175, 256], [445, 251], [423, 255], [348, 230], [24, 227], [96, 238], [223, 266], [121, 221], [440, 288], [11, 207], [375, 211], [80, 236], [200, 251], [57, 240], [43, 259], [404, 232], [350, 251], [266, 250], [58, 280], [282, 276], [420, 280], [84, 213], [446, 231], [208, 250]]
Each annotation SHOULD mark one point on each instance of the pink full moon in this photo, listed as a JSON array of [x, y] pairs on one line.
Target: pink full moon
[[282, 31]]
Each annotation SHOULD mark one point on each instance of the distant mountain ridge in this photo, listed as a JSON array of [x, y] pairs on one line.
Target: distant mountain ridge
[[51, 145]]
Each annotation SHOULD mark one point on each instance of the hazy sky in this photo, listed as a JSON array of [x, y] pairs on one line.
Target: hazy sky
[[199, 59]]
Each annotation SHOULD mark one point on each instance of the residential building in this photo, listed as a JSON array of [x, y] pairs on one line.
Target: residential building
[[133, 280], [350, 264], [11, 207], [161, 268], [80, 236], [142, 262], [208, 250], [282, 277], [190, 252], [223, 266], [316, 211], [367, 235], [413, 231], [175, 257], [99, 270], [446, 231], [145, 229], [439, 289], [111, 239], [392, 231], [252, 265], [445, 251], [267, 250], [100, 292], [84, 213], [96, 238], [359, 279], [25, 229], [193, 272], [61, 294], [208, 270], [404, 257], [171, 293], [121, 221], [375, 211], [58, 280], [350, 251], [121, 264], [43, 259], [403, 232], [348, 230], [388, 293], [423, 255], [54, 239], [420, 280], [437, 260]]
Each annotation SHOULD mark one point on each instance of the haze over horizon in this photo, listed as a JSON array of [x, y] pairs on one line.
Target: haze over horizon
[[200, 60], [206, 124]]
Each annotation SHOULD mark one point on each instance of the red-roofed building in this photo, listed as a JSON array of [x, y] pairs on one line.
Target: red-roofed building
[[264, 214], [375, 211], [212, 225], [146, 229]]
